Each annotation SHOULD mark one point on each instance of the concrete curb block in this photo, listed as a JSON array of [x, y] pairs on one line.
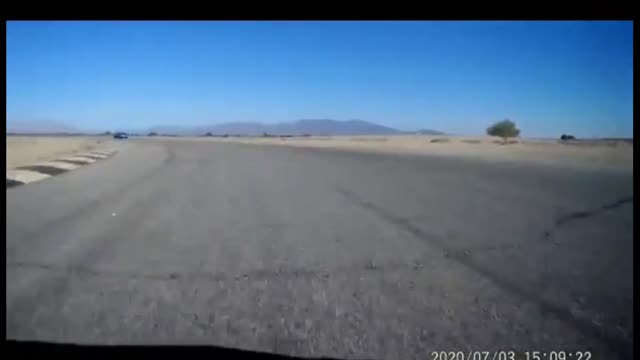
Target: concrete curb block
[[25, 176], [79, 158], [42, 170], [55, 164], [100, 153]]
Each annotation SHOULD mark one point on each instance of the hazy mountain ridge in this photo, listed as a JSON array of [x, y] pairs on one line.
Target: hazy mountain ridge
[[300, 127]]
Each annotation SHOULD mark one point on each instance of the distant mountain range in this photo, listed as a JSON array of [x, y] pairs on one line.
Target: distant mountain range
[[300, 127], [426, 132]]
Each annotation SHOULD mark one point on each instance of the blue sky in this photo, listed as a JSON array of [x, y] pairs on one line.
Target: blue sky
[[458, 77]]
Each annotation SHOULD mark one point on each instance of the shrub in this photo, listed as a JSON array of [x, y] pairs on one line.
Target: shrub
[[504, 129], [439, 140]]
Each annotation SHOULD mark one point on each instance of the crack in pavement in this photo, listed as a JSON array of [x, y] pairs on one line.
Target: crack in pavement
[[585, 214], [616, 343], [479, 249]]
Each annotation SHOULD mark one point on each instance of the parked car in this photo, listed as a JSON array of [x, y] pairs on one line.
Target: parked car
[[120, 135]]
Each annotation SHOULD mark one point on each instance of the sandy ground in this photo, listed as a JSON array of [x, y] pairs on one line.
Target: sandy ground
[[603, 154], [23, 150]]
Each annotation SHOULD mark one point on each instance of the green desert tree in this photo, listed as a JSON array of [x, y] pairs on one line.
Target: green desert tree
[[505, 129]]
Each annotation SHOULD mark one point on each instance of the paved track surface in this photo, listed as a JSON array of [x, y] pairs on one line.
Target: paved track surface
[[322, 253]]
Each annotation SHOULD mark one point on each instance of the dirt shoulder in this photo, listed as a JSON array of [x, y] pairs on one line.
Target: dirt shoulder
[[607, 154], [24, 150]]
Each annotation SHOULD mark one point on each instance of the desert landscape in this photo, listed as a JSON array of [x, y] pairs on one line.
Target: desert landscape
[[23, 150], [428, 190], [581, 153]]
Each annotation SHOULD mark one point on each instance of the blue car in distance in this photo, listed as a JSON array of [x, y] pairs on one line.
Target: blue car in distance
[[120, 135]]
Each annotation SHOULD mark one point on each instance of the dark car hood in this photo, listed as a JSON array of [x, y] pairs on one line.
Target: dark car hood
[[113, 351]]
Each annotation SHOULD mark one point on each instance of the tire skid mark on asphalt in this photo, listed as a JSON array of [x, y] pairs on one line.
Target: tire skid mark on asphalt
[[31, 173], [585, 214], [616, 343]]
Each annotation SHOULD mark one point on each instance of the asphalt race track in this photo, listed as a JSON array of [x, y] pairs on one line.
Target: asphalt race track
[[313, 252]]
